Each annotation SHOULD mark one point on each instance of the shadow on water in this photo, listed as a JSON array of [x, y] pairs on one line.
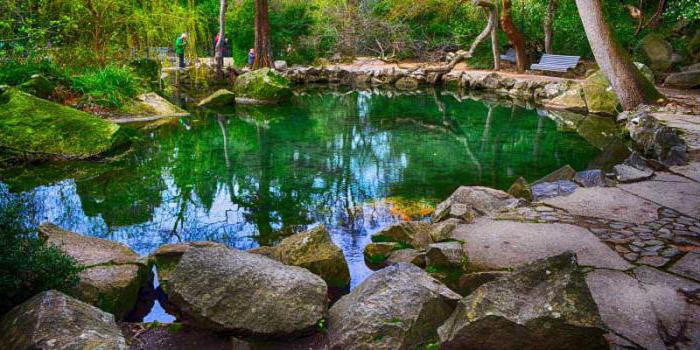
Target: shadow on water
[[253, 175]]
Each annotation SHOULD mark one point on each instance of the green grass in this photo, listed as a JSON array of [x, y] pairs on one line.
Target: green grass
[[110, 87]]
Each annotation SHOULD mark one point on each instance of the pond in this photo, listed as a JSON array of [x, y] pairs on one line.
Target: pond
[[346, 159]]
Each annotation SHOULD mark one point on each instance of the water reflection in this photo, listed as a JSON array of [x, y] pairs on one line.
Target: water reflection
[[253, 175]]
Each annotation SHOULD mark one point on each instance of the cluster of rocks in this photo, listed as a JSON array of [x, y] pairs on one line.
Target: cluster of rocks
[[262, 86]]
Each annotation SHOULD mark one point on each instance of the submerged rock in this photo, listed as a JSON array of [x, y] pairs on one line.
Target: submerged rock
[[231, 291], [263, 85], [220, 98], [113, 274], [34, 128], [399, 307], [542, 305], [315, 251], [53, 320], [469, 200]]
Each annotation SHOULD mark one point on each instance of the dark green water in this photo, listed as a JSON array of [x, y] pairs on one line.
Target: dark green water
[[250, 177]]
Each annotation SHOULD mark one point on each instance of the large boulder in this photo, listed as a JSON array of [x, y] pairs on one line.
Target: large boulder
[[167, 256], [683, 80], [315, 251], [476, 200], [399, 307], [150, 105], [232, 291], [657, 51], [220, 98], [34, 128], [543, 305], [600, 97], [571, 100], [53, 320], [113, 274], [376, 253], [657, 140], [265, 85], [415, 234], [446, 254]]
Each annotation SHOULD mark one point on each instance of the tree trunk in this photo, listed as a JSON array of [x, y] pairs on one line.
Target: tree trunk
[[263, 48], [631, 87], [548, 23], [220, 43], [514, 35], [493, 17]]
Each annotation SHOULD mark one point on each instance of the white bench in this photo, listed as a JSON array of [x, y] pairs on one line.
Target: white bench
[[556, 63], [509, 55]]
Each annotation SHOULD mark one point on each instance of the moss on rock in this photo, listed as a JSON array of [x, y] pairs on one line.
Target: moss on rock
[[220, 98], [263, 85], [30, 126]]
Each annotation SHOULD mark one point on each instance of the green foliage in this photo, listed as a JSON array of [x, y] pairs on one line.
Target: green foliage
[[27, 266], [109, 87], [15, 72]]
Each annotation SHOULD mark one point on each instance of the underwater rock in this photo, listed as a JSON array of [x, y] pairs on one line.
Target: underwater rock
[[232, 291], [399, 307], [545, 304], [113, 274], [53, 320]]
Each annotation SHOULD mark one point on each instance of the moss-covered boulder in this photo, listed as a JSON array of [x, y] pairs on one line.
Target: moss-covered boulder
[[600, 96], [220, 98], [167, 256], [657, 51], [34, 128], [377, 253], [315, 251], [571, 100], [39, 86], [520, 189], [264, 85], [113, 273]]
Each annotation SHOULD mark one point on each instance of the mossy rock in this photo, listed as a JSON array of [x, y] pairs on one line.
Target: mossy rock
[[657, 51], [600, 97], [146, 68], [377, 253], [38, 86], [31, 127], [263, 85], [220, 98], [406, 83], [315, 251], [571, 100], [520, 189]]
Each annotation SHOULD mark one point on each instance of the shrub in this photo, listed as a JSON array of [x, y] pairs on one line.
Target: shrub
[[109, 87], [15, 72], [27, 266]]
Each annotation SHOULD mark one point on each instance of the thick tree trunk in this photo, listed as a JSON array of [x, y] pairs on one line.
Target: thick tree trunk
[[493, 17], [514, 35], [631, 87], [263, 47], [220, 43], [548, 26]]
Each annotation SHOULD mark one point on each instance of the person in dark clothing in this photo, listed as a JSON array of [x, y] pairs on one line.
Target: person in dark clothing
[[251, 57]]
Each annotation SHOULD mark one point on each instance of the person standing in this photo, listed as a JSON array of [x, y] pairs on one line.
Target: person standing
[[180, 49], [251, 57]]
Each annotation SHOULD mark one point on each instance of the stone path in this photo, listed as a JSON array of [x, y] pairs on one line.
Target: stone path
[[640, 243]]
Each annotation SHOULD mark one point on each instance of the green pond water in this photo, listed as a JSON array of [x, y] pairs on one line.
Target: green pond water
[[253, 175]]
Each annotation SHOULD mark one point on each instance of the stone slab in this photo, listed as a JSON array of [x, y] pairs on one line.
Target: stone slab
[[496, 244], [671, 191], [607, 203], [688, 266], [691, 170]]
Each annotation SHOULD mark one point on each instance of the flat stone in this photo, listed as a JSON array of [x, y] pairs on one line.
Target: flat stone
[[690, 170], [688, 266], [625, 173], [505, 244], [553, 189], [607, 203], [670, 191], [590, 178], [653, 260]]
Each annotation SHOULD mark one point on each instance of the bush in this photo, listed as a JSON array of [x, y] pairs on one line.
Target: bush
[[15, 72], [27, 266], [109, 87]]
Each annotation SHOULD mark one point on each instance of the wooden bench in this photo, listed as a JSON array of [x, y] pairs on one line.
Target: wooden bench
[[509, 55], [556, 63]]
